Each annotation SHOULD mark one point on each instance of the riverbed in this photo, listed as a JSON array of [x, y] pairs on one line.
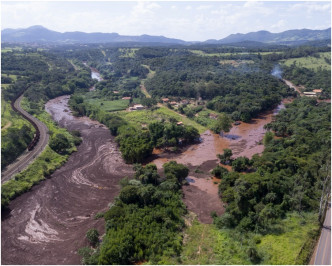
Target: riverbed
[[47, 225], [201, 195]]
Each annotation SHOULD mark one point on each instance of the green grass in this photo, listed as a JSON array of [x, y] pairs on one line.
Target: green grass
[[43, 166], [138, 118], [10, 117], [285, 248], [310, 62], [205, 244], [109, 106]]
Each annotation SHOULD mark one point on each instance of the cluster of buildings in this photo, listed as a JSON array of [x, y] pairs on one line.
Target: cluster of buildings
[[313, 93]]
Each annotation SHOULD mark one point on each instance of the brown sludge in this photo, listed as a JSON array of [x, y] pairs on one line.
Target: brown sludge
[[48, 224], [55, 215]]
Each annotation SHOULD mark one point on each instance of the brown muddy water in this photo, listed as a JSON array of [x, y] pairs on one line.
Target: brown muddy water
[[201, 195], [48, 224]]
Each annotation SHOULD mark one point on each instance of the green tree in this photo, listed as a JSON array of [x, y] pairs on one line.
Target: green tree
[[93, 236], [223, 124], [59, 143]]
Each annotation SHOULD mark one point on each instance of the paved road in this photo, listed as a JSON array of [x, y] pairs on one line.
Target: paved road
[[323, 255], [28, 156]]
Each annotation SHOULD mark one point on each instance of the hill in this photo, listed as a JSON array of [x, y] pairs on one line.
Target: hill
[[288, 37], [39, 34]]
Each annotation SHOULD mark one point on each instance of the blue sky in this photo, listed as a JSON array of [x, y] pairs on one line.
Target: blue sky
[[186, 20]]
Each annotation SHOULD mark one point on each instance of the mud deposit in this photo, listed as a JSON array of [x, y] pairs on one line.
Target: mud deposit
[[201, 195], [48, 224]]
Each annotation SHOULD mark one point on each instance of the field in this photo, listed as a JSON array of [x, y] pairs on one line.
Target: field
[[109, 106], [311, 62], [205, 244], [145, 117]]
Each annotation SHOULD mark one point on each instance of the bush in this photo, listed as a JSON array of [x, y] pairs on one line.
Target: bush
[[93, 236], [219, 171]]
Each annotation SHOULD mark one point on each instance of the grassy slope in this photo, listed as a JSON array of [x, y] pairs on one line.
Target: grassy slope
[[310, 61], [205, 244]]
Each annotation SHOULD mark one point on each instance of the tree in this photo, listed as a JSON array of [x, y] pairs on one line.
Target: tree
[[225, 158], [223, 124], [59, 143], [180, 171], [93, 236]]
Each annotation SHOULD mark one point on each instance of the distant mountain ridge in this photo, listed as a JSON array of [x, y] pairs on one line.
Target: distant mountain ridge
[[286, 37], [40, 34]]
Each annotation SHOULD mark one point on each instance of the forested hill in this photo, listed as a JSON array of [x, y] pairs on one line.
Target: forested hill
[[40, 34], [286, 37]]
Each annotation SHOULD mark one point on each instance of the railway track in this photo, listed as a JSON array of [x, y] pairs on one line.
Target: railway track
[[36, 146]]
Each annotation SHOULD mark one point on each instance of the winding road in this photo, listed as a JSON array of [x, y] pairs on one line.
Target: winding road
[[28, 156]]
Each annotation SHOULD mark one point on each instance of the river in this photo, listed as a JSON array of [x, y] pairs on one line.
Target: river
[[48, 224]]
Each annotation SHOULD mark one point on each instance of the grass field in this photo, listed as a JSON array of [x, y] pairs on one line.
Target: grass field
[[109, 106], [205, 244], [310, 62], [146, 117]]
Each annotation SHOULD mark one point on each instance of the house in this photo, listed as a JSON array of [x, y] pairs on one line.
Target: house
[[317, 91], [309, 94], [116, 92], [179, 123], [173, 103], [137, 107], [126, 98], [184, 101], [165, 100]]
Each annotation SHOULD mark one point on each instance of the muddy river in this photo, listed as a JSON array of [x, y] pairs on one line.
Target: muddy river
[[48, 224], [201, 195]]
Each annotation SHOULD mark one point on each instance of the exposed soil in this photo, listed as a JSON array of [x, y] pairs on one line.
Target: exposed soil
[[47, 225], [201, 195]]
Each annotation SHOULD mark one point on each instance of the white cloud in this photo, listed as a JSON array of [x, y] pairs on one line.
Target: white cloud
[[203, 7]]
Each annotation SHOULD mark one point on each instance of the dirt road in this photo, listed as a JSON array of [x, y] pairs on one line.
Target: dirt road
[[48, 224], [26, 157]]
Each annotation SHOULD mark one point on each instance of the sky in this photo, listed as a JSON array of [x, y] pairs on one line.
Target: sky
[[186, 20]]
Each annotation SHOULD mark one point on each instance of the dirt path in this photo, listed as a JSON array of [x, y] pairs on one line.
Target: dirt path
[[7, 125], [47, 225]]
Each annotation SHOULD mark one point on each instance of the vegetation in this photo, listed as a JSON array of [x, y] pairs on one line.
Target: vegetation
[[145, 221], [289, 176], [289, 243]]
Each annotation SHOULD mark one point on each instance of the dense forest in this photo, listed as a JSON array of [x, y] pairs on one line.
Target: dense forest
[[289, 176]]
